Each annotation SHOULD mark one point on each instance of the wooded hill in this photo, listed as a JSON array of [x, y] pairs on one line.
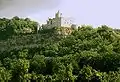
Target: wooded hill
[[86, 55]]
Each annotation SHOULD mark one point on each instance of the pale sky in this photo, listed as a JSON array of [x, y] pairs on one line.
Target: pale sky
[[90, 12]]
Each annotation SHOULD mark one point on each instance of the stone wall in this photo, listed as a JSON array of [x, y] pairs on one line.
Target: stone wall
[[58, 21]]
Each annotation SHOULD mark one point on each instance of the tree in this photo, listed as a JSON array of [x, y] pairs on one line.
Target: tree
[[38, 64], [5, 75]]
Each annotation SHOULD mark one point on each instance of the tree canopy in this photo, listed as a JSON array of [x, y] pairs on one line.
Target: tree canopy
[[16, 25], [85, 55]]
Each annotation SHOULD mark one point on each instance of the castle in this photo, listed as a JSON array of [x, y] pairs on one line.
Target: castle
[[59, 21]]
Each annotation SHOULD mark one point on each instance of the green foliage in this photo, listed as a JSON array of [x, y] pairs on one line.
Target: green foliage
[[16, 25], [86, 55], [38, 64], [5, 75]]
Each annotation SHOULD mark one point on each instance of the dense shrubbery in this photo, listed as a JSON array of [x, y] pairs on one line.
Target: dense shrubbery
[[87, 55], [16, 25]]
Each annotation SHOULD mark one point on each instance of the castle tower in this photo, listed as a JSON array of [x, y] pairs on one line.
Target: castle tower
[[58, 14]]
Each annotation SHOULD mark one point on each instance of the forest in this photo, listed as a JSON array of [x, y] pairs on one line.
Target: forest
[[86, 55]]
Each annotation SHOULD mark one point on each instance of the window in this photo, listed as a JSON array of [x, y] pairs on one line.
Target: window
[[51, 22]]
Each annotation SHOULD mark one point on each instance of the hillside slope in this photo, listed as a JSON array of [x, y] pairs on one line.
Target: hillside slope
[[84, 55]]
